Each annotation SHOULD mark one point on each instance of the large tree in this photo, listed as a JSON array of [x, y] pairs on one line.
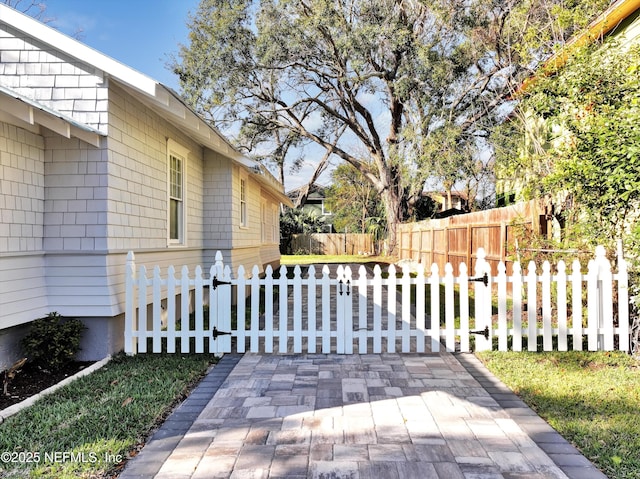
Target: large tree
[[379, 76]]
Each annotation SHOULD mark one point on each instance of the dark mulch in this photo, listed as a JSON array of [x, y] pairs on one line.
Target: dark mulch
[[32, 379]]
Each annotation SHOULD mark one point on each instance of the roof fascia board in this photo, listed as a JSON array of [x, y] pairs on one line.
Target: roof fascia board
[[601, 26]]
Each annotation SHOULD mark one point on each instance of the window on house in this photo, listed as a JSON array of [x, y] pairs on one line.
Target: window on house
[[243, 203], [275, 232], [176, 189], [325, 211], [263, 229]]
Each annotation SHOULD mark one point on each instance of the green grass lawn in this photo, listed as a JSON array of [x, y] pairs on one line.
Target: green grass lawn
[[591, 399], [87, 428], [291, 260]]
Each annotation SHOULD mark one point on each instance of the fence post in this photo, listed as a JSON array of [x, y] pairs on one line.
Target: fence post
[[623, 302], [483, 302], [130, 343]]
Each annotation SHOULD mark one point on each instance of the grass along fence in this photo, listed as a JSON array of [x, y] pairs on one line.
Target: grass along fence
[[344, 311]]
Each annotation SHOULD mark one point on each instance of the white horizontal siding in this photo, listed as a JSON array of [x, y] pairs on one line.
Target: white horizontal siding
[[75, 284], [94, 285], [23, 291]]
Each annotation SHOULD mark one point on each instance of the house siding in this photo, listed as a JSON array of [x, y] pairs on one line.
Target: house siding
[[71, 208], [137, 177], [218, 189], [52, 78], [23, 289], [23, 292], [75, 195], [22, 183]]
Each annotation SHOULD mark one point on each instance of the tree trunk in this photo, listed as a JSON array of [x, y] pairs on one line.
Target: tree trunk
[[393, 207]]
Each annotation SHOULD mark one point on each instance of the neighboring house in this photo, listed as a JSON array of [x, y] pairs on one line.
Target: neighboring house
[[315, 203], [453, 200], [622, 21], [97, 159]]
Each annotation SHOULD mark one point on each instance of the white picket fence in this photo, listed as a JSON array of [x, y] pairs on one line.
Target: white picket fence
[[345, 312]]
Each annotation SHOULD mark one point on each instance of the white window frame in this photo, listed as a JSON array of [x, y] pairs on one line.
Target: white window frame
[[275, 230], [244, 220], [325, 212], [263, 223], [178, 152]]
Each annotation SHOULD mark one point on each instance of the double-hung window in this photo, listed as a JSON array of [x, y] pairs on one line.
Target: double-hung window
[[177, 157], [243, 203]]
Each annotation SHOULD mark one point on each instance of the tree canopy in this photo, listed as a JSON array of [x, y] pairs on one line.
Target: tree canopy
[[372, 82], [353, 200]]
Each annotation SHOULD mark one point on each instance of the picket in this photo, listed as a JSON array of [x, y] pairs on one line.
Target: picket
[[363, 311], [561, 283], [345, 312], [516, 291], [311, 309]]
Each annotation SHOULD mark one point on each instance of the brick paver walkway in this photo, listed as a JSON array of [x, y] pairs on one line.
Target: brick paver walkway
[[358, 416]]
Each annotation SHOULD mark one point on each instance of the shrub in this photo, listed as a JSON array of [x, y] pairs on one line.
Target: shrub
[[53, 341]]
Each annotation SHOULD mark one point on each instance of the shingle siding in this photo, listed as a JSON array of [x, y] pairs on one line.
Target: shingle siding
[[52, 78], [22, 186], [75, 196], [137, 177]]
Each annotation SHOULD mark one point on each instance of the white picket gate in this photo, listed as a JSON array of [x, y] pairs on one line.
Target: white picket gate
[[348, 311]]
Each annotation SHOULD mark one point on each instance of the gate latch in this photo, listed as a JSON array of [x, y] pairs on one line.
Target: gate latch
[[340, 283], [217, 333], [483, 332], [482, 279], [216, 282]]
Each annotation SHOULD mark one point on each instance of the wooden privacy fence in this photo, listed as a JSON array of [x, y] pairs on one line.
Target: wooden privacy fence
[[455, 239], [345, 311], [332, 243]]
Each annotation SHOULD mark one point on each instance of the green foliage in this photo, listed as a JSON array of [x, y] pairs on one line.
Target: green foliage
[[353, 200], [298, 221], [53, 341], [587, 148]]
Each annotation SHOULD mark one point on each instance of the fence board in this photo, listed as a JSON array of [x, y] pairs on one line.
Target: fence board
[[562, 306], [312, 309], [363, 310], [241, 310], [547, 343], [391, 310], [332, 243], [268, 313], [502, 307], [326, 310], [516, 281], [434, 284], [454, 239]]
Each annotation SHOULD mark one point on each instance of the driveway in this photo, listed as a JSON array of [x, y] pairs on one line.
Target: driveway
[[355, 416]]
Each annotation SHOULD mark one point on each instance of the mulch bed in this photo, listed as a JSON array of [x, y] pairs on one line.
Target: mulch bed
[[32, 379]]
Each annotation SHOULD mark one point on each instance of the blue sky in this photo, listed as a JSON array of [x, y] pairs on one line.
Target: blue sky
[[139, 33]]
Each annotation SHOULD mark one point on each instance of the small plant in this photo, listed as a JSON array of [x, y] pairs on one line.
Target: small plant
[[53, 341]]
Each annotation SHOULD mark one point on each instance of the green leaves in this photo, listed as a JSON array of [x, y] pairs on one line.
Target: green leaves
[[53, 341], [592, 103]]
